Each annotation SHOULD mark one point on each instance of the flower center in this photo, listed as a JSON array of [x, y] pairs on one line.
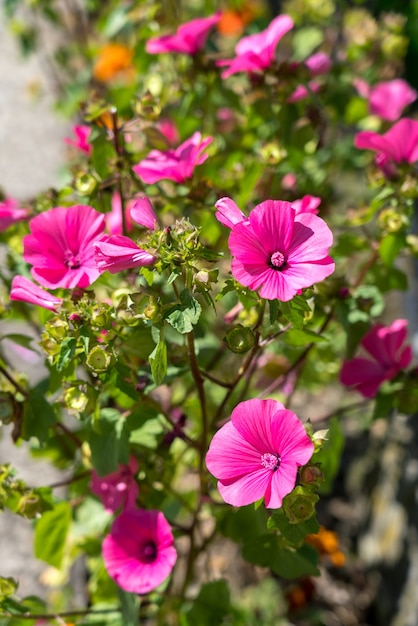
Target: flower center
[[148, 552], [277, 260], [270, 461], [71, 260]]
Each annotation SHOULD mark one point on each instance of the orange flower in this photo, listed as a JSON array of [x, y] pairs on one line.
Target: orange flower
[[326, 542], [233, 22], [114, 60]]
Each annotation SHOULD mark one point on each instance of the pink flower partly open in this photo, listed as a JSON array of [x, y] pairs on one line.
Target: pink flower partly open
[[398, 145], [116, 253], [118, 489], [388, 99], [255, 53], [188, 39], [142, 212], [257, 454], [307, 204], [275, 250], [10, 213], [177, 165], [385, 345], [82, 134], [60, 246], [24, 290], [139, 552], [113, 219]]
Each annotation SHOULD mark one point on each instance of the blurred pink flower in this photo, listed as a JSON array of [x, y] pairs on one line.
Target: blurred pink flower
[[60, 246], [257, 453], [289, 181], [10, 213], [118, 489], [389, 356], [398, 145], [82, 133], [301, 92], [388, 99], [24, 290], [139, 552], [176, 165], [116, 253], [318, 63], [169, 130], [114, 219], [277, 251], [142, 212], [307, 204], [188, 39], [255, 53]]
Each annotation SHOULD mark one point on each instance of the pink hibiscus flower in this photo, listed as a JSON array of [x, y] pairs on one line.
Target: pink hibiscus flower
[[10, 213], [117, 489], [82, 133], [255, 53], [389, 356], [387, 99], [116, 253], [257, 454], [24, 290], [398, 145], [114, 218], [275, 250], [318, 63], [139, 552], [307, 204], [142, 212], [176, 165], [60, 246], [188, 39]]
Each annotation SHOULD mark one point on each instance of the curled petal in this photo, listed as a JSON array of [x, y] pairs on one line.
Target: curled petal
[[24, 290], [117, 253]]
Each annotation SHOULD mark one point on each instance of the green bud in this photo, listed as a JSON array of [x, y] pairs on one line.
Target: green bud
[[100, 316], [152, 310], [98, 360], [76, 399], [29, 505], [391, 221], [57, 329], [85, 184], [299, 505], [311, 475], [8, 587], [240, 339], [148, 107]]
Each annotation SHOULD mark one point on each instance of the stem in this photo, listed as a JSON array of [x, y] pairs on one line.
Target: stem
[[119, 163], [13, 382], [69, 433], [69, 481], [365, 268], [34, 616]]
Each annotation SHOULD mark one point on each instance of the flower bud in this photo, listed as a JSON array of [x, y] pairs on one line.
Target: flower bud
[[299, 505], [57, 329], [85, 184], [76, 399], [29, 505], [240, 339], [311, 475], [98, 360]]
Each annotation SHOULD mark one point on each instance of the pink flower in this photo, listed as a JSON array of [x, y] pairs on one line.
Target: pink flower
[[176, 165], [114, 218], [277, 251], [385, 346], [399, 144], [387, 99], [188, 39], [10, 213], [24, 290], [60, 246], [142, 212], [139, 552], [117, 489], [169, 130], [307, 204], [82, 133], [228, 213], [318, 63], [301, 92], [116, 253], [256, 52], [257, 454]]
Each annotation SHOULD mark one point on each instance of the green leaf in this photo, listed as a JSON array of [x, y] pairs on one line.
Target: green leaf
[[108, 441], [274, 310], [293, 533], [329, 456], [295, 310], [66, 353], [211, 606], [298, 337], [51, 533], [289, 563], [38, 415], [130, 607], [21, 340], [185, 315], [305, 41], [389, 248], [158, 362]]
